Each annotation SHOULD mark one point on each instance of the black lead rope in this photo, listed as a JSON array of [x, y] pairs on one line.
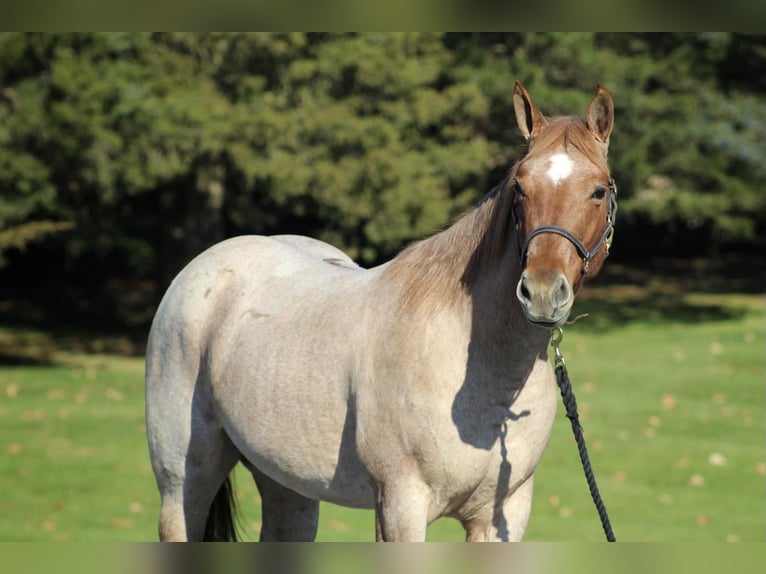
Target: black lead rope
[[562, 377]]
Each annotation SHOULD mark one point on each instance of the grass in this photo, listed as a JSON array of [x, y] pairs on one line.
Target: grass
[[674, 415], [669, 381]]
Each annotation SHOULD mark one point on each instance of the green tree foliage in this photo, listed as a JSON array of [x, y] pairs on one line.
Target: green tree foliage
[[367, 141], [154, 146]]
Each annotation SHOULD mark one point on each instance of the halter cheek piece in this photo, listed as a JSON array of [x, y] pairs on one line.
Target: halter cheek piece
[[587, 256]]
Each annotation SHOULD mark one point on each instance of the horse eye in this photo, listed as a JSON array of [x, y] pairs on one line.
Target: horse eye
[[599, 193], [517, 190]]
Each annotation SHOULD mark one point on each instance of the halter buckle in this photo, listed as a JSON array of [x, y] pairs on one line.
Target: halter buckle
[[556, 337], [609, 237]]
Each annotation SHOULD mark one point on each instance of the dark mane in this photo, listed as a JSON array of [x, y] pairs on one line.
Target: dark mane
[[436, 271]]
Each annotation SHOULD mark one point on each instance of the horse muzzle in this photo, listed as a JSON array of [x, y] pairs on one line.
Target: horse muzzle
[[545, 300]]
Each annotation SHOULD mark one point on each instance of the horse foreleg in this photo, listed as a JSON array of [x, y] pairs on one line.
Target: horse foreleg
[[508, 520], [401, 511], [516, 510]]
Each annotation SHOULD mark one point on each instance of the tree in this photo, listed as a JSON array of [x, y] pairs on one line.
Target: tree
[[367, 141]]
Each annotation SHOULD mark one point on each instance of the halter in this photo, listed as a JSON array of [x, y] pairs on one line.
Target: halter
[[586, 255]]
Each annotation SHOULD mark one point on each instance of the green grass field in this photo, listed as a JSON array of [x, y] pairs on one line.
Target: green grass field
[[670, 384]]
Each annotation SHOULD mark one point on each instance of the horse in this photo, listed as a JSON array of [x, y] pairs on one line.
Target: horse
[[420, 388]]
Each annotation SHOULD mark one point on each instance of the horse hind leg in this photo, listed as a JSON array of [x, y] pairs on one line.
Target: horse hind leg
[[192, 457], [285, 514], [197, 497]]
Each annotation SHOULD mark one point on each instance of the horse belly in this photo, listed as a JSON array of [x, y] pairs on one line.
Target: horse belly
[[286, 403]]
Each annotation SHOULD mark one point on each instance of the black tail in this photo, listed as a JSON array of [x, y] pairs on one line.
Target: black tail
[[221, 518]]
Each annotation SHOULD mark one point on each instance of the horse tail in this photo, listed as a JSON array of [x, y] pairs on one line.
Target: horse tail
[[222, 517]]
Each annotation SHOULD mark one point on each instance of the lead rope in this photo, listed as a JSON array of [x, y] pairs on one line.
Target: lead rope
[[562, 377]]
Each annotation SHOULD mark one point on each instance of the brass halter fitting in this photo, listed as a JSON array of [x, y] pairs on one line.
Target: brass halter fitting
[[556, 337]]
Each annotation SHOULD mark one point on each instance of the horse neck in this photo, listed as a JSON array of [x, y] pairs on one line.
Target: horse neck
[[472, 268], [498, 324]]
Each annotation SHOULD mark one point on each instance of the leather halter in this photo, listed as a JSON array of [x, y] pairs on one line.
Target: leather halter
[[586, 255]]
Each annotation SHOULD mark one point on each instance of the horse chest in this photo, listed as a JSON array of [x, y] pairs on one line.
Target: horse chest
[[472, 416], [491, 445]]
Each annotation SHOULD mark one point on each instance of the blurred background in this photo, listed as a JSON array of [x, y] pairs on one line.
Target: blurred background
[[123, 155]]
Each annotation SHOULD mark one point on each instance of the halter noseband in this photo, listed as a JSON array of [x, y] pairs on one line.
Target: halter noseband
[[586, 255]]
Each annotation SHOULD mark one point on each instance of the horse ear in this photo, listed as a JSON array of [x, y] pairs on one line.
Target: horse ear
[[529, 118], [600, 118]]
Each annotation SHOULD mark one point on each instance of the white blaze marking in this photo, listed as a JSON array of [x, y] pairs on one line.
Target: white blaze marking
[[561, 167]]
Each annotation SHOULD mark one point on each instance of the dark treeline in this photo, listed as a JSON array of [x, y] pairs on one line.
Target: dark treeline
[[124, 155]]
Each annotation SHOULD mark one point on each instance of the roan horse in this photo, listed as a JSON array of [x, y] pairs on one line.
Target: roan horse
[[420, 388]]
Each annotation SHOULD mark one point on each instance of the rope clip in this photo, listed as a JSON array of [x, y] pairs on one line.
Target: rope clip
[[556, 337]]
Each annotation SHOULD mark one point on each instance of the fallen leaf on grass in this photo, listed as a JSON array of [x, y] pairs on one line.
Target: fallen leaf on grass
[[716, 459], [122, 523], [88, 452], [668, 402], [696, 480], [36, 415], [335, 524], [61, 537], [665, 499], [598, 446], [623, 435]]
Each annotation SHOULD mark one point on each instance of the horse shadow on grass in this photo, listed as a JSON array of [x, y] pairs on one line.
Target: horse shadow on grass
[[624, 296], [593, 314]]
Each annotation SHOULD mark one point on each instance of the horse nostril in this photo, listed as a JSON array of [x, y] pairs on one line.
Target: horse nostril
[[522, 292], [562, 292]]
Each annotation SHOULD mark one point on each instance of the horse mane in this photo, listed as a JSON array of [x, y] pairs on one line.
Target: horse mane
[[439, 270]]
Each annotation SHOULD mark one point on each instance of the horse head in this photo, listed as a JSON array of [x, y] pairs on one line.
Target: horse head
[[563, 204]]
